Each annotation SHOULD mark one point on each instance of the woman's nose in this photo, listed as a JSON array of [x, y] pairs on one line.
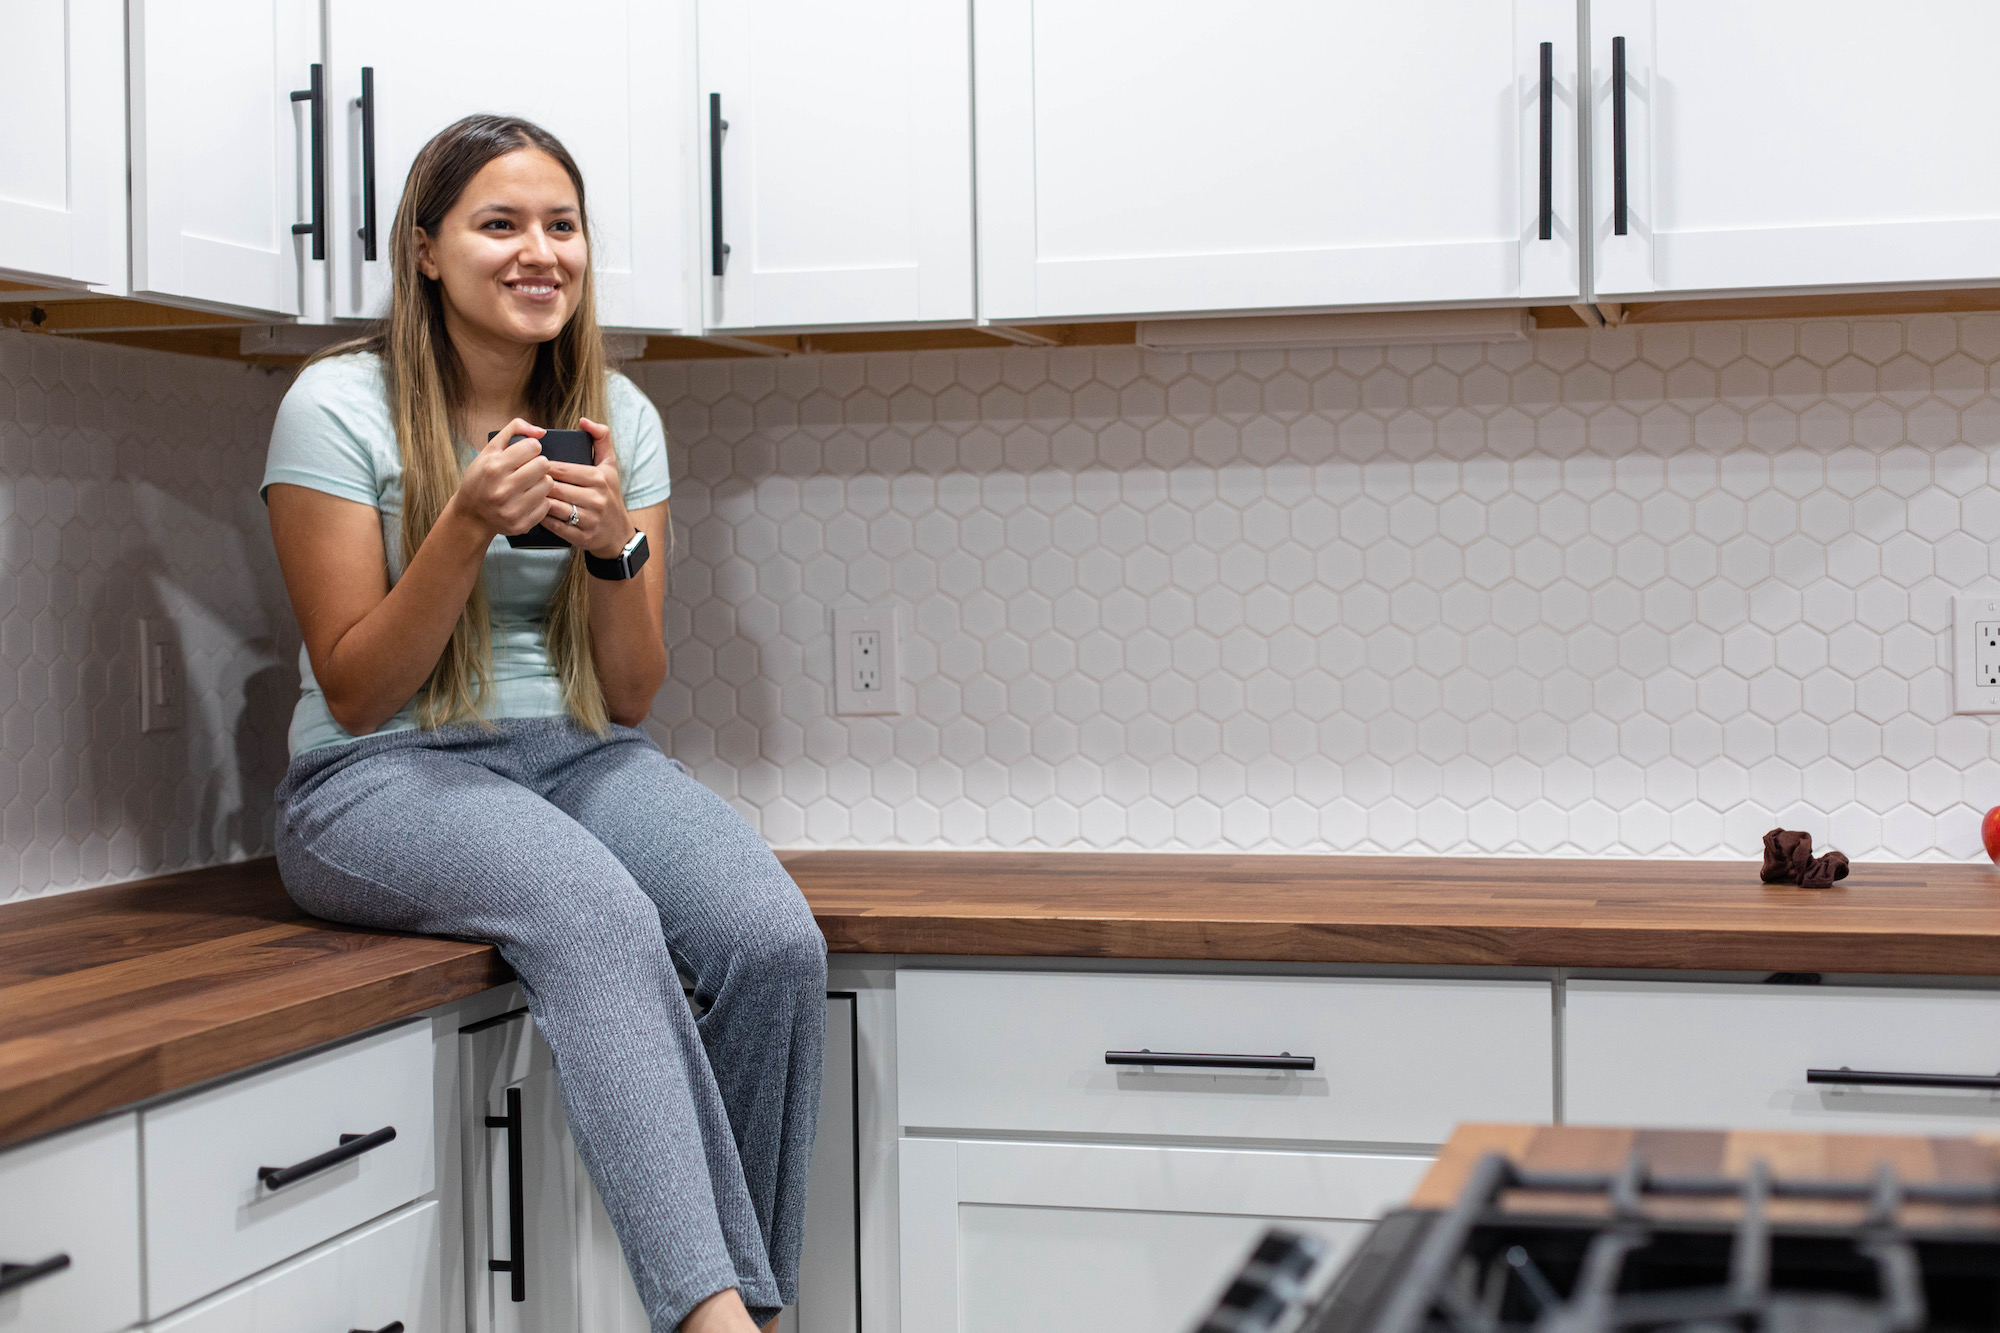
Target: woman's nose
[[536, 247]]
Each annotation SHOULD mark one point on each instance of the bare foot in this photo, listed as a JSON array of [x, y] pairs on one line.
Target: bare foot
[[720, 1313]]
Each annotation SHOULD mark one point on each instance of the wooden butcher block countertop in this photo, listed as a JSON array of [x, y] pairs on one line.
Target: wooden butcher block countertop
[[112, 996]]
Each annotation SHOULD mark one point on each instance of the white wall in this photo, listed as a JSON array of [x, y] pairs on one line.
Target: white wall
[[128, 489], [1633, 592]]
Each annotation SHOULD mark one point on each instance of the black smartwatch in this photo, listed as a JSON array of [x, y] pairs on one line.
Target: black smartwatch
[[621, 566]]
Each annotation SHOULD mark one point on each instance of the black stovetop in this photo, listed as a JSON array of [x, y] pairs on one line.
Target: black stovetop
[[1577, 1253]]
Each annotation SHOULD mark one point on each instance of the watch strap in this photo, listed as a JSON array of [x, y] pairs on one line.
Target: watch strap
[[626, 564]]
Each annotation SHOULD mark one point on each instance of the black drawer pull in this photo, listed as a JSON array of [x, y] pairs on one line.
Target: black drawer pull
[[517, 1201], [1189, 1060], [1618, 168], [1876, 1079], [367, 104], [718, 253], [351, 1147], [316, 95], [14, 1276], [1546, 210], [393, 1326]]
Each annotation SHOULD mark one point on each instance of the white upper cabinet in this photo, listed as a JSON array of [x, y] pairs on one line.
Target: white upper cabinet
[[222, 153], [620, 107], [842, 187], [1141, 157], [62, 158], [1788, 144]]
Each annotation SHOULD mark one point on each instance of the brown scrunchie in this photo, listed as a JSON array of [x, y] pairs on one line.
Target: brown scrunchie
[[1789, 859]]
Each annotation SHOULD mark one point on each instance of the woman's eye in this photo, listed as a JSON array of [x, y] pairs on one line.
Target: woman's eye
[[563, 227], [499, 224]]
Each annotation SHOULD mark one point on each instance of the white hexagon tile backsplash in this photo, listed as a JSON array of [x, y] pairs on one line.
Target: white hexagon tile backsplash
[[1633, 592], [1630, 592], [128, 490]]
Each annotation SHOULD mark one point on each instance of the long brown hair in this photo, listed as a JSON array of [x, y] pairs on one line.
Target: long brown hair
[[426, 387]]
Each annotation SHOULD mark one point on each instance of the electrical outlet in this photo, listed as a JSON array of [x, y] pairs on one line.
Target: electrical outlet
[[1975, 653], [865, 680], [161, 679]]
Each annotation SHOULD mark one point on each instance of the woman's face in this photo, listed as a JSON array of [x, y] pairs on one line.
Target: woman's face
[[510, 255]]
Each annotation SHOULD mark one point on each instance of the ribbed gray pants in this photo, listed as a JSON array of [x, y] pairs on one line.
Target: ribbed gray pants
[[597, 865]]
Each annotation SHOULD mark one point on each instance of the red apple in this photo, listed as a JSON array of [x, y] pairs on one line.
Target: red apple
[[1989, 833]]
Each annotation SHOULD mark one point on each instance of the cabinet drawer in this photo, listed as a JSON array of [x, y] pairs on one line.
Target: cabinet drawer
[[1716, 1056], [210, 1220], [1395, 1061], [74, 1195], [382, 1275]]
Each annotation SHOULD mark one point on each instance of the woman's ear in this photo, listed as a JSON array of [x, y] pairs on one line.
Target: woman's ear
[[425, 260]]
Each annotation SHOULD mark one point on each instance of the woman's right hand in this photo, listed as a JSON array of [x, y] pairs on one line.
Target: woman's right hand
[[505, 489]]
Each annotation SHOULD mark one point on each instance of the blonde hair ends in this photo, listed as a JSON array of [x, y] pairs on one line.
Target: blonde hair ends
[[426, 397]]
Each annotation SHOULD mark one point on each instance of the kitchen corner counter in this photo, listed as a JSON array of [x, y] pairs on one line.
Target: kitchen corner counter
[[112, 996]]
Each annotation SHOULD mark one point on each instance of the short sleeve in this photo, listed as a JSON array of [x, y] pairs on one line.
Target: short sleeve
[[641, 441], [320, 439]]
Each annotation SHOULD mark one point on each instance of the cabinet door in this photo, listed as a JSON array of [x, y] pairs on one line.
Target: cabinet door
[[830, 1270], [69, 1205], [62, 164], [1180, 156], [1793, 144], [845, 173], [622, 114], [221, 153], [1070, 1238], [520, 1205]]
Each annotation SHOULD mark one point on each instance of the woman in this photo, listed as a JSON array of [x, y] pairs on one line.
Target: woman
[[464, 754]]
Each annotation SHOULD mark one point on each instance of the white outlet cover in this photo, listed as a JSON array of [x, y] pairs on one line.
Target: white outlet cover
[[1970, 692], [162, 676], [847, 700]]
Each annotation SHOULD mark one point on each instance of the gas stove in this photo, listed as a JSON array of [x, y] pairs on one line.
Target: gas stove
[[1634, 1250]]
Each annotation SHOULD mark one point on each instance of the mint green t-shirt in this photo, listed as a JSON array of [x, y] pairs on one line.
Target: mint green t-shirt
[[333, 434]]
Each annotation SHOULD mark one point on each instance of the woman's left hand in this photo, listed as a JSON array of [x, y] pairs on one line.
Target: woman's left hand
[[594, 495]]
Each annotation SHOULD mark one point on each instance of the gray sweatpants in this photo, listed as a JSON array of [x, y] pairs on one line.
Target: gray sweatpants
[[597, 866]]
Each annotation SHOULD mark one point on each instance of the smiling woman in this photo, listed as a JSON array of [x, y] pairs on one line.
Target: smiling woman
[[466, 758]]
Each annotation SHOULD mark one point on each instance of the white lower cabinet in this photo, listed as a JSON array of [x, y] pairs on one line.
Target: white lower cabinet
[[69, 1207], [1735, 1056], [1087, 1238], [573, 1277], [382, 1276]]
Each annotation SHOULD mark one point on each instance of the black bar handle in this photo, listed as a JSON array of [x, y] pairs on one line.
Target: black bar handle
[[1548, 166], [393, 1326], [317, 227], [15, 1276], [1190, 1060], [1618, 174], [1864, 1078], [351, 1147], [367, 104], [718, 253], [517, 1200]]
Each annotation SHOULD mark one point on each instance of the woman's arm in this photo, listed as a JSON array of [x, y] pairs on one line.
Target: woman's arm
[[627, 639], [372, 646]]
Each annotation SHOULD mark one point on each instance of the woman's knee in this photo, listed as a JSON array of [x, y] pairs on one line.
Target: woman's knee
[[786, 951]]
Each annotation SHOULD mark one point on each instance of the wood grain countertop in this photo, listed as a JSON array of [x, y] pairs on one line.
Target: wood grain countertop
[[112, 996]]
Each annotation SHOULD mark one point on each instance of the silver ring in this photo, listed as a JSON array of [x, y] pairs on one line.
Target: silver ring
[[575, 519]]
